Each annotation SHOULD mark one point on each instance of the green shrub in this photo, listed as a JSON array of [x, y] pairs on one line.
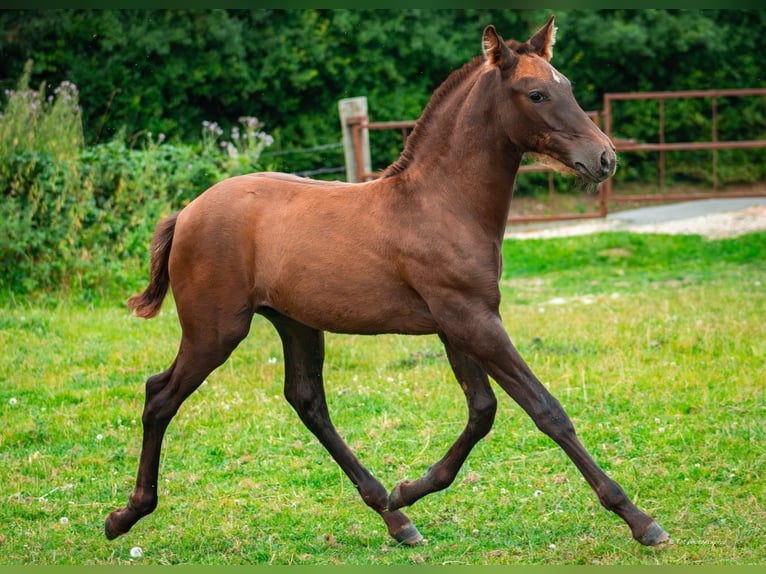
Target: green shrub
[[44, 203], [81, 219]]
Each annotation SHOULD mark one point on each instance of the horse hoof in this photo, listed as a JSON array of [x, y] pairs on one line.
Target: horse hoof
[[653, 535], [408, 535], [111, 530]]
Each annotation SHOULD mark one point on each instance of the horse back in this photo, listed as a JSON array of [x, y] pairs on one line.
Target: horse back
[[320, 252]]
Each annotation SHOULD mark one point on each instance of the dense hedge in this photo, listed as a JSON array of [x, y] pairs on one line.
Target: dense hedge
[[166, 71], [122, 116], [78, 218]]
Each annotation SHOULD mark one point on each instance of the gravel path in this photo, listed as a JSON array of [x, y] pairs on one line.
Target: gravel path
[[712, 225]]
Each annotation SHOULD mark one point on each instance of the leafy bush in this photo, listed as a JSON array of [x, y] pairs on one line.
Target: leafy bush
[[43, 204], [81, 219]]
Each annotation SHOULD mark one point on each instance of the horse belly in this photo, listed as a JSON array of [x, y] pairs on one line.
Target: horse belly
[[345, 295], [311, 252]]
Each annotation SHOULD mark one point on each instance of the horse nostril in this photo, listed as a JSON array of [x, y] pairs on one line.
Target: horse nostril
[[607, 161]]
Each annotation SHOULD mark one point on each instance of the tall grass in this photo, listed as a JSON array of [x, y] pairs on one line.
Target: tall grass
[[655, 345]]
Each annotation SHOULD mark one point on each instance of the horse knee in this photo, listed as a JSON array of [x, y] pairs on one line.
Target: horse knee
[[551, 419], [482, 415], [304, 397]]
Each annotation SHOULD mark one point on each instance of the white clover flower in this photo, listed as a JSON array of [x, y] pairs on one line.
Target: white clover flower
[[272, 360]]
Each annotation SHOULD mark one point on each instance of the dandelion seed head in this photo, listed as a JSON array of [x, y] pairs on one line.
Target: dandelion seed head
[[12, 401], [538, 493], [136, 552], [63, 520], [99, 436]]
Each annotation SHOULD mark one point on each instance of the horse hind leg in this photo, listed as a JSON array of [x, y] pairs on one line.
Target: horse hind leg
[[304, 390], [165, 393], [482, 406]]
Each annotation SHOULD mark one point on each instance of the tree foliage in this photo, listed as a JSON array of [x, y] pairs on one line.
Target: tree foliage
[[168, 70], [120, 115]]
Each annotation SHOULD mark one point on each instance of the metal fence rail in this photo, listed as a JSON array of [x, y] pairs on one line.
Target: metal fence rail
[[662, 146], [606, 194]]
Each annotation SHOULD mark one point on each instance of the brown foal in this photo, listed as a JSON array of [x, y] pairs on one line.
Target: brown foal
[[417, 251]]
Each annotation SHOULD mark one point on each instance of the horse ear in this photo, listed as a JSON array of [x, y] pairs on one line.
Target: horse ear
[[495, 50], [544, 39]]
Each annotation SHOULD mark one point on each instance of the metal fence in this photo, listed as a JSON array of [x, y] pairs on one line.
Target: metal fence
[[662, 146], [360, 125]]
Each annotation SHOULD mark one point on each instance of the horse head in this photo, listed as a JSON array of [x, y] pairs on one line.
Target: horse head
[[543, 117]]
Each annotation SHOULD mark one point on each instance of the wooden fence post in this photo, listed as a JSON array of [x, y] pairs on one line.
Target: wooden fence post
[[352, 108]]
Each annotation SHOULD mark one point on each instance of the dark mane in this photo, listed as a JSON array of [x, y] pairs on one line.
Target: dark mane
[[455, 79]]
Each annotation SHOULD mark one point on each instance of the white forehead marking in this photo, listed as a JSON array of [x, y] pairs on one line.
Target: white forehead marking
[[555, 76]]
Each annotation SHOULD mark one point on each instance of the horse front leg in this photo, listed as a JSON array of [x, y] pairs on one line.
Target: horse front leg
[[304, 390], [482, 406], [488, 342]]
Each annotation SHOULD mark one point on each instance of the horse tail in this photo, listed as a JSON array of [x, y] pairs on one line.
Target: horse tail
[[147, 303]]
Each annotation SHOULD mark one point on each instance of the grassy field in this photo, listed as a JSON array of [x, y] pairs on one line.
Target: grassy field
[[656, 346]]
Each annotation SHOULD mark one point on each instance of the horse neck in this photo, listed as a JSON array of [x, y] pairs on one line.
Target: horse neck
[[462, 156]]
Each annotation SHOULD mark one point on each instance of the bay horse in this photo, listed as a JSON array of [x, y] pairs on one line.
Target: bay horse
[[417, 251]]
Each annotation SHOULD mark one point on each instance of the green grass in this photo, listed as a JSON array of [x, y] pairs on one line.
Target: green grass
[[656, 346]]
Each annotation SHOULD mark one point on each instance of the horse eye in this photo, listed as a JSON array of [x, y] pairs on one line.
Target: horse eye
[[536, 96]]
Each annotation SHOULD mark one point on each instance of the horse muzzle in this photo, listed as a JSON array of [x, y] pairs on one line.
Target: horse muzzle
[[597, 167]]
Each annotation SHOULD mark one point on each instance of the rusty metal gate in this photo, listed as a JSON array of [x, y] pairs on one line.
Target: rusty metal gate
[[606, 191]]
